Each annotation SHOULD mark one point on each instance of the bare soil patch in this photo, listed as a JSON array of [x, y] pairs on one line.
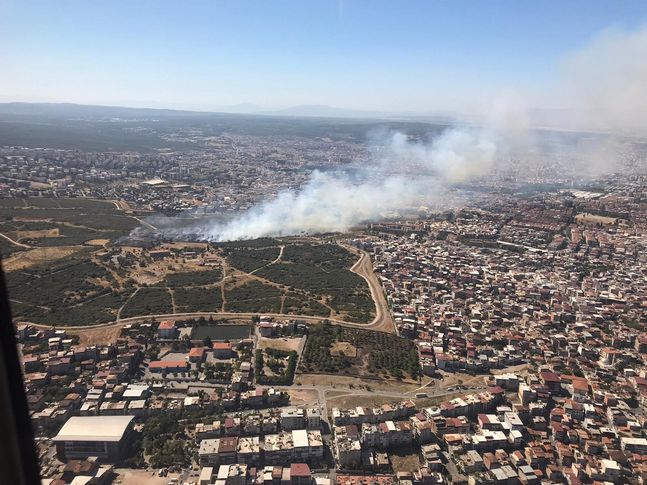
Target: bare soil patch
[[287, 344], [303, 397], [344, 400], [97, 336], [97, 242], [37, 234], [36, 256], [141, 477], [405, 462], [343, 382], [343, 348], [586, 218]]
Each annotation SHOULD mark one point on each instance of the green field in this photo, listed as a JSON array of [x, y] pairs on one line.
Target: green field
[[315, 278], [376, 354], [253, 297], [148, 301], [76, 220], [88, 288], [247, 260], [189, 300], [194, 278], [69, 291]]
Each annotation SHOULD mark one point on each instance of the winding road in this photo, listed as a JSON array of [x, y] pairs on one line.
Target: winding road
[[364, 267]]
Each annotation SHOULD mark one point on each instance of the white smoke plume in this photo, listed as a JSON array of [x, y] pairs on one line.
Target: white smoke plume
[[606, 83], [405, 173], [604, 88]]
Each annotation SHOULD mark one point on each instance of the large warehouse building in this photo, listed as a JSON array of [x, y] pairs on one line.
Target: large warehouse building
[[106, 437]]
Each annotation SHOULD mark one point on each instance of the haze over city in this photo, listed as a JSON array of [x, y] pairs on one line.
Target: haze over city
[[323, 242]]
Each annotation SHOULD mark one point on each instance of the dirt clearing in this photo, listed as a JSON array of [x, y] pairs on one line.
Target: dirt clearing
[[96, 336], [344, 348], [300, 397], [37, 234], [287, 344], [347, 399], [97, 242], [140, 477], [343, 382], [33, 257], [405, 462]]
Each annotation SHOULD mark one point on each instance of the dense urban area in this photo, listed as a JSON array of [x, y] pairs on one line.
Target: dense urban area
[[498, 338]]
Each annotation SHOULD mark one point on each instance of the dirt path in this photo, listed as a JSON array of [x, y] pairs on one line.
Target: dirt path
[[172, 293], [363, 267], [16, 242], [278, 258], [126, 303], [222, 287]]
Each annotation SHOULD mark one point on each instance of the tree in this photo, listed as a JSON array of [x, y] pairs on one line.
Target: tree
[[207, 342]]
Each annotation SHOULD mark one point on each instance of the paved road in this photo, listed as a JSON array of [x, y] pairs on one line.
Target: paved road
[[183, 316], [364, 268], [323, 390]]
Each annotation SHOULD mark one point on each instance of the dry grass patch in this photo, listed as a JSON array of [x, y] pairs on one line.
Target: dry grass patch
[[97, 242], [343, 348], [287, 344], [405, 462], [37, 234], [37, 256]]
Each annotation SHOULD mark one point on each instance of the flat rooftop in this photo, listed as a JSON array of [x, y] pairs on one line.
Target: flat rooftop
[[94, 428]]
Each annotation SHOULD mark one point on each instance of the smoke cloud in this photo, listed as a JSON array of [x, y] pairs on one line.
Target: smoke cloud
[[607, 83], [403, 174], [603, 88]]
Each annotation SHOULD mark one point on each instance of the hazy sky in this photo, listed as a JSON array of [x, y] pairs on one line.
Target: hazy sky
[[423, 56]]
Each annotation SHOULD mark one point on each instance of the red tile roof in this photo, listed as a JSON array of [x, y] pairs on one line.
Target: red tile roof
[[299, 470], [196, 352]]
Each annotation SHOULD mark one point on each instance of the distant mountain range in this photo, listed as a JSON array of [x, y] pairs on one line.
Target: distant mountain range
[[550, 119], [71, 110]]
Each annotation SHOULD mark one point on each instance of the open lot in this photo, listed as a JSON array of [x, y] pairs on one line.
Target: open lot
[[129, 476], [37, 256], [347, 399], [405, 460], [287, 344], [301, 397]]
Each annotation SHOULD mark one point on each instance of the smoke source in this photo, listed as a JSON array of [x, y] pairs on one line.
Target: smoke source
[[403, 173]]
